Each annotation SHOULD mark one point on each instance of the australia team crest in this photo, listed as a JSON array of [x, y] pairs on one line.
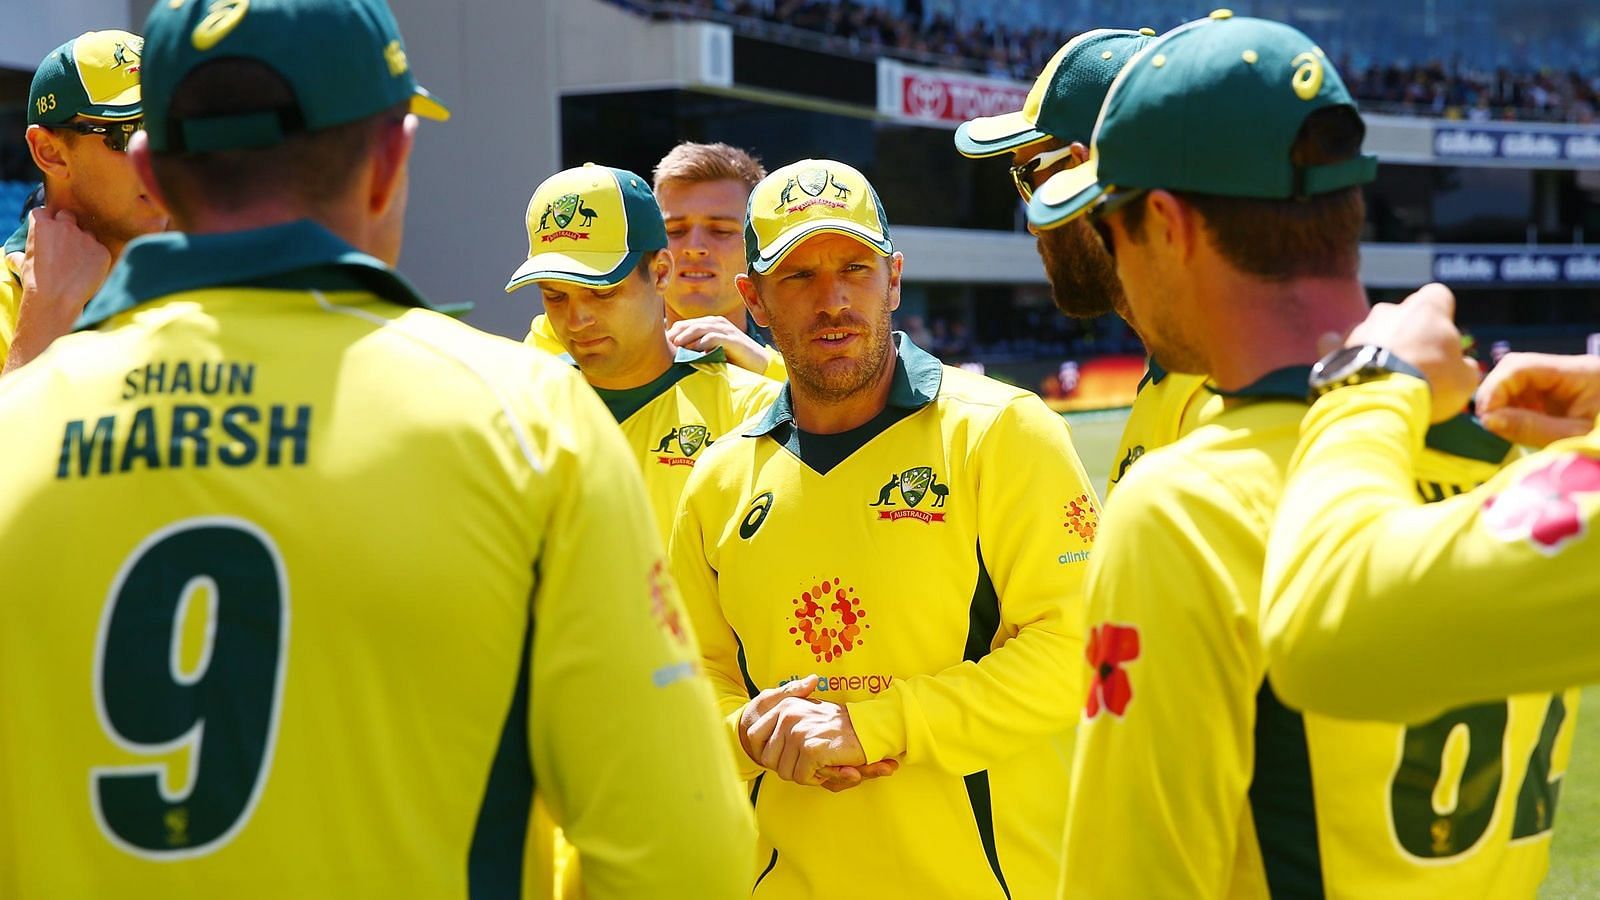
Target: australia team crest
[[561, 212], [913, 485], [689, 440]]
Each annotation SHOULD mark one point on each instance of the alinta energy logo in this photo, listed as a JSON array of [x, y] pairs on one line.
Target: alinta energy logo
[[689, 438], [562, 211], [914, 485], [813, 182], [828, 620]]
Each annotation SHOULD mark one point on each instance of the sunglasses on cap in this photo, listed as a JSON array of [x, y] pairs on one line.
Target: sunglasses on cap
[[1022, 176], [115, 134]]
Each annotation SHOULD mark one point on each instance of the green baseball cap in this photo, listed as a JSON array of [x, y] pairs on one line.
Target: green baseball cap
[[1065, 99], [95, 75], [344, 60], [591, 226], [1211, 107]]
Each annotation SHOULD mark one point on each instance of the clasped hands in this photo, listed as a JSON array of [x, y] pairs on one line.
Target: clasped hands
[[806, 741]]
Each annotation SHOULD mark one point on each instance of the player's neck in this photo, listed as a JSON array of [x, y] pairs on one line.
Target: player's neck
[[650, 363], [734, 313], [1264, 326], [348, 227], [818, 416]]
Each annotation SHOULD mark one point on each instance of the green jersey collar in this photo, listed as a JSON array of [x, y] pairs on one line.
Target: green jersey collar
[[1153, 373], [626, 402], [917, 376], [297, 256], [18, 241], [1466, 437], [1461, 436], [1287, 383]]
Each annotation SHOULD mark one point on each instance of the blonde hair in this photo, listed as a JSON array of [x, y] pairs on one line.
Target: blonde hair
[[699, 163]]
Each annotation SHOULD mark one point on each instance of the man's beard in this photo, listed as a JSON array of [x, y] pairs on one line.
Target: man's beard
[[836, 380], [1083, 276]]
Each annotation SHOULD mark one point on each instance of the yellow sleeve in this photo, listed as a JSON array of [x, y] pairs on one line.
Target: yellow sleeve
[[10, 309], [777, 370], [1379, 607], [542, 337], [1022, 654], [1164, 755], [618, 712], [750, 394], [720, 653]]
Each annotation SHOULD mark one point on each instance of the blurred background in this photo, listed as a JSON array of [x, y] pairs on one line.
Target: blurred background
[[1482, 113]]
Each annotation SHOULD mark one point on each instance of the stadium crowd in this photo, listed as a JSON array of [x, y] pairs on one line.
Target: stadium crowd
[[1450, 89]]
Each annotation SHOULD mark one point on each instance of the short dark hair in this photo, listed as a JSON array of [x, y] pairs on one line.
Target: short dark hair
[[1315, 236], [311, 167]]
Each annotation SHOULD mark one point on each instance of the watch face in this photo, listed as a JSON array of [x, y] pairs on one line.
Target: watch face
[[1337, 366]]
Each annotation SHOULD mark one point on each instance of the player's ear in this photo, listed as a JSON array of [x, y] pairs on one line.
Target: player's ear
[[139, 158], [1171, 223], [49, 152], [391, 154], [750, 291], [661, 270], [896, 265]]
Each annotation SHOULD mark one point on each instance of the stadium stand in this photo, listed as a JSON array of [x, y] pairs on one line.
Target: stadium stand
[[1014, 38], [13, 194]]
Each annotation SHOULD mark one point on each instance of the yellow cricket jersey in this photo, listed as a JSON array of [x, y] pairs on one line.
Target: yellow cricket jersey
[[1167, 406], [542, 336], [1381, 607], [308, 591], [928, 566], [1230, 793], [671, 420], [11, 289]]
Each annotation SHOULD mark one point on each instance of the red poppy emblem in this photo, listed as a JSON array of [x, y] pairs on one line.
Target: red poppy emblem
[[1542, 506], [1109, 647]]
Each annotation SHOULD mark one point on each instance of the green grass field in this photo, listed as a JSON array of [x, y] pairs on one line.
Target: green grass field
[[1575, 855]]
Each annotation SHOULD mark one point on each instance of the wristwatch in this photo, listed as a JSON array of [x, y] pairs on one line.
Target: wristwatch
[[1354, 365]]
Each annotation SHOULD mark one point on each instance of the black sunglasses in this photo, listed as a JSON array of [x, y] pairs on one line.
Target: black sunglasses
[[1022, 176], [115, 134]]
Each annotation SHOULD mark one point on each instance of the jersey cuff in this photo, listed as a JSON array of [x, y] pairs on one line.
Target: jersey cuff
[[1406, 398], [880, 725], [777, 370], [742, 763]]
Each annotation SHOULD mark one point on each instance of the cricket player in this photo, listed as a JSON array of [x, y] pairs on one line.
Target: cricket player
[[360, 576], [1383, 608], [885, 572], [702, 190], [1049, 135], [83, 106], [597, 252], [1234, 152]]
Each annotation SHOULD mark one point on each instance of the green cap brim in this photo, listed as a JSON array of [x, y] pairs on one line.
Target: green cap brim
[[587, 268], [1066, 195], [774, 253], [994, 135]]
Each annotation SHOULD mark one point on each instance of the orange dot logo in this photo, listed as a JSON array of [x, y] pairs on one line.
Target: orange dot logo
[[828, 620], [1082, 518]]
